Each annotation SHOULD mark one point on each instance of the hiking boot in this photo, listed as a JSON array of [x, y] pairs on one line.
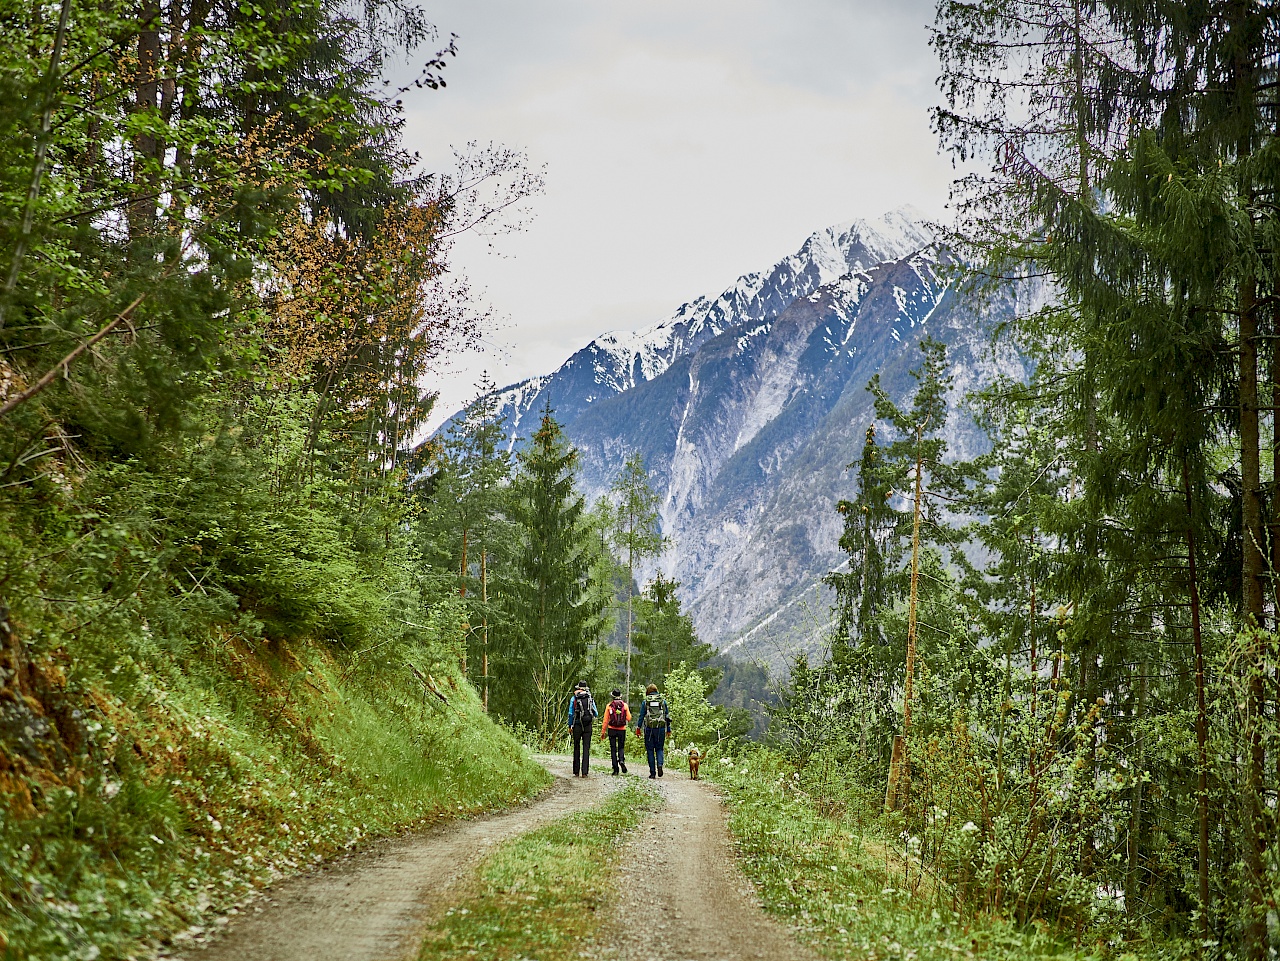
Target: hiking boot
[[624, 769], [659, 770], [615, 772], [652, 775]]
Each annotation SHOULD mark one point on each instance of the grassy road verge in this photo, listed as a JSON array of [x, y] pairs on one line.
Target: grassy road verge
[[843, 887], [540, 895]]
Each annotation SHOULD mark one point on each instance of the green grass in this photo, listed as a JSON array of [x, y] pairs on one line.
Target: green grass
[[225, 773], [541, 895], [843, 886]]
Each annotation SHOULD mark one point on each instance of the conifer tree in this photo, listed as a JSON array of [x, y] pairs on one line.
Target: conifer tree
[[665, 637], [554, 615], [1142, 196], [868, 521], [916, 469], [472, 501]]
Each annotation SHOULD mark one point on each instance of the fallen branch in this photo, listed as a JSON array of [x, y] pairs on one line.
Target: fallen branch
[[63, 364], [429, 683]]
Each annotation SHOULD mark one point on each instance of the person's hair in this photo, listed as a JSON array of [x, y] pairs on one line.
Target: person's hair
[[651, 689]]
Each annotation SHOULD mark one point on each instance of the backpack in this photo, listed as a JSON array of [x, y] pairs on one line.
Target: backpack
[[582, 710], [655, 714], [618, 720]]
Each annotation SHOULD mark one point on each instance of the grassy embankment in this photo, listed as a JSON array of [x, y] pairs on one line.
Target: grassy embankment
[[841, 881], [540, 895], [227, 771]]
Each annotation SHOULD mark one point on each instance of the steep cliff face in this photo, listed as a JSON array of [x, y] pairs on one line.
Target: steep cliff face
[[748, 418]]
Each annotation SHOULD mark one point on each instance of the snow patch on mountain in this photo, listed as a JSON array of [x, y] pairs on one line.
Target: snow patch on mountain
[[620, 360]]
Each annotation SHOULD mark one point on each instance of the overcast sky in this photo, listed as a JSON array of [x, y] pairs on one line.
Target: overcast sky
[[686, 142]]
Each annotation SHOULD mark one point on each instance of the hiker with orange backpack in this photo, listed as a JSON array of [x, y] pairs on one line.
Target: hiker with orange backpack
[[616, 717]]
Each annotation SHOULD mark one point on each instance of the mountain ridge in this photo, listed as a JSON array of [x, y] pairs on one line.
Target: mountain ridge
[[747, 426], [616, 361]]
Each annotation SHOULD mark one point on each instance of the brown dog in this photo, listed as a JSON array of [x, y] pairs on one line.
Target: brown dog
[[695, 760]]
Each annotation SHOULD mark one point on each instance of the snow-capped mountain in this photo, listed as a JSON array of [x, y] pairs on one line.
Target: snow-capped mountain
[[618, 361], [748, 408]]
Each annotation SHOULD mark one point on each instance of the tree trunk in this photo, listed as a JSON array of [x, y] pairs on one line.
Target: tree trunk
[[900, 776], [484, 628], [38, 163], [1202, 717], [895, 769], [145, 146], [1253, 534], [630, 595], [1133, 887], [1033, 655]]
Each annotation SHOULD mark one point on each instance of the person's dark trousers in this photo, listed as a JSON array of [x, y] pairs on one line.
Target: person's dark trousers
[[581, 751], [618, 749], [655, 739]]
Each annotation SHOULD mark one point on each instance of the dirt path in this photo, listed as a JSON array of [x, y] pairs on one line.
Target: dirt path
[[375, 905], [685, 899]]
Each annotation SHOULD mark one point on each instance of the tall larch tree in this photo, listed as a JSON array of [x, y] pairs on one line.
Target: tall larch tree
[[637, 534]]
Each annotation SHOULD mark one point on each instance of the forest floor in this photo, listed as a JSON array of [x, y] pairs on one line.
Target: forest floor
[[672, 891]]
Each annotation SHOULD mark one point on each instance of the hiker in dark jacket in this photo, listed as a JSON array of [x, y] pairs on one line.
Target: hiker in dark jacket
[[616, 717], [582, 723], [655, 722]]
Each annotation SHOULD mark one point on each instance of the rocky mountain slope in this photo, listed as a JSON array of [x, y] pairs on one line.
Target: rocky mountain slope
[[748, 407]]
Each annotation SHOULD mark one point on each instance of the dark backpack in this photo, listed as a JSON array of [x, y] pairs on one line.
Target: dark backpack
[[618, 720], [582, 710], [655, 714]]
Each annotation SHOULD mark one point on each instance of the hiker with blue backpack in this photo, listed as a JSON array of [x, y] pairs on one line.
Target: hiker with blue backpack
[[655, 721], [582, 724]]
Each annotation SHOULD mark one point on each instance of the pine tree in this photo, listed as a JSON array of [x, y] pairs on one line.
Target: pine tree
[[665, 637], [554, 615], [472, 498]]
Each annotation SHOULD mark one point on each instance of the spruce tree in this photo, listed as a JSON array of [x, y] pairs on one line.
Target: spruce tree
[[472, 501], [665, 637], [554, 615], [868, 520], [917, 470]]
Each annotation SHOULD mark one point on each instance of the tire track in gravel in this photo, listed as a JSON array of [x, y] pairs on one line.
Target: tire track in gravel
[[685, 898], [376, 905]]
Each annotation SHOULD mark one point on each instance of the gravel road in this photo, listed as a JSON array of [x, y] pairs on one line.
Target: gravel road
[[685, 898], [374, 906]]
